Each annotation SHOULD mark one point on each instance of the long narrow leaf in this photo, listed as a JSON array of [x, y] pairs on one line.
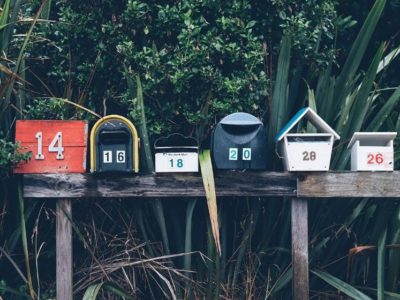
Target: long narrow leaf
[[384, 112], [209, 187], [358, 49], [381, 266], [341, 285], [279, 106]]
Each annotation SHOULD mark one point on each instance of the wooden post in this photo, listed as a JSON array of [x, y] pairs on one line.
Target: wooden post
[[300, 249], [64, 249]]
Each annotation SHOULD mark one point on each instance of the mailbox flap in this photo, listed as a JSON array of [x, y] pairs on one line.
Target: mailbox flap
[[176, 140], [240, 119], [372, 138]]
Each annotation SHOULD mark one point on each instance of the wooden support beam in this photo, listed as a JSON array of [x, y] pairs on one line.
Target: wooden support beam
[[349, 184], [300, 249], [64, 249], [232, 184], [228, 184]]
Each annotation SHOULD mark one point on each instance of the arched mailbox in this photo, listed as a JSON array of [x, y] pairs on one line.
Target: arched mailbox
[[114, 146], [306, 151], [176, 153], [239, 141], [372, 151]]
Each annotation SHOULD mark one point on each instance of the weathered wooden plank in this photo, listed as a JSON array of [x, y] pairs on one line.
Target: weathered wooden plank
[[300, 249], [349, 184], [64, 249], [166, 185]]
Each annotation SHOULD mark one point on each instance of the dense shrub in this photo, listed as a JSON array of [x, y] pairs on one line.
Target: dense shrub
[[189, 54]]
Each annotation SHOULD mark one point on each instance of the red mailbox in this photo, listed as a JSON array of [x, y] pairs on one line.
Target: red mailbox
[[56, 146]]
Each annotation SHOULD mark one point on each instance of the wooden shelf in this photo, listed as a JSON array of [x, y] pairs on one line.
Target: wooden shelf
[[228, 184]]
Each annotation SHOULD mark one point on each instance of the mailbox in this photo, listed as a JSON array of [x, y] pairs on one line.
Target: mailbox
[[239, 141], [306, 151], [372, 151], [56, 146], [114, 146], [176, 153]]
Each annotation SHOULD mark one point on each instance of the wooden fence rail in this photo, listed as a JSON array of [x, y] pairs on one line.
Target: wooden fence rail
[[298, 186]]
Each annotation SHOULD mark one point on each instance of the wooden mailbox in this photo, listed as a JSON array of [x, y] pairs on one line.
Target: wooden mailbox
[[372, 151], [176, 153], [56, 146], [306, 151]]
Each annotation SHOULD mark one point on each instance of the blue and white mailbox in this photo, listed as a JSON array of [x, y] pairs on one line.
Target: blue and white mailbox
[[306, 151]]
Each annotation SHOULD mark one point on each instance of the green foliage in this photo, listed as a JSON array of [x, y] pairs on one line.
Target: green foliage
[[10, 156], [187, 54]]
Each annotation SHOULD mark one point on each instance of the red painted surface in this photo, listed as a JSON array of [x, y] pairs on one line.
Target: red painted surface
[[74, 141]]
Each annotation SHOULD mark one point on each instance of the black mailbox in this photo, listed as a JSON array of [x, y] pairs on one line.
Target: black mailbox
[[114, 146], [239, 141]]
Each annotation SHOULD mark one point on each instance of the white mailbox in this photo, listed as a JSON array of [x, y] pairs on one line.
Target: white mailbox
[[175, 154], [306, 151], [372, 151]]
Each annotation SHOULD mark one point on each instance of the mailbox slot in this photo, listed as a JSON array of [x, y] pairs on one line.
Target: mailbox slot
[[114, 146], [239, 141]]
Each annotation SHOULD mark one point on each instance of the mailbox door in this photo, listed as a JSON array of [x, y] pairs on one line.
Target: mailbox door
[[114, 158], [114, 148], [56, 146]]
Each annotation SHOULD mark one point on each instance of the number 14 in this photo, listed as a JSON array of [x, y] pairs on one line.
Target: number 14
[[52, 147]]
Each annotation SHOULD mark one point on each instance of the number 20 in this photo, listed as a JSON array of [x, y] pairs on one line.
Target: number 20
[[56, 140]]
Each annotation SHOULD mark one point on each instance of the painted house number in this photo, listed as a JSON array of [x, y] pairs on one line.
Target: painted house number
[[108, 157], [375, 158], [55, 146], [179, 163], [309, 155], [233, 153]]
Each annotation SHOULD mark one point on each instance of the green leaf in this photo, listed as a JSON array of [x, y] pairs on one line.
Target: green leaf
[[357, 51], [385, 111], [279, 106], [341, 285], [381, 265], [93, 290], [207, 175]]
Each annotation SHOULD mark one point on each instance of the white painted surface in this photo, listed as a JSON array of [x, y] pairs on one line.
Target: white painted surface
[[176, 162], [307, 155]]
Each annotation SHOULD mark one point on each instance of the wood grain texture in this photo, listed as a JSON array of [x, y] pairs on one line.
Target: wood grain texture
[[300, 249], [64, 249], [74, 142], [173, 185], [349, 184]]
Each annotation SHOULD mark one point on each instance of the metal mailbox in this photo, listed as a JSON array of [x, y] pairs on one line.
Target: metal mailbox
[[306, 151], [239, 141], [372, 151], [114, 146], [176, 153]]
